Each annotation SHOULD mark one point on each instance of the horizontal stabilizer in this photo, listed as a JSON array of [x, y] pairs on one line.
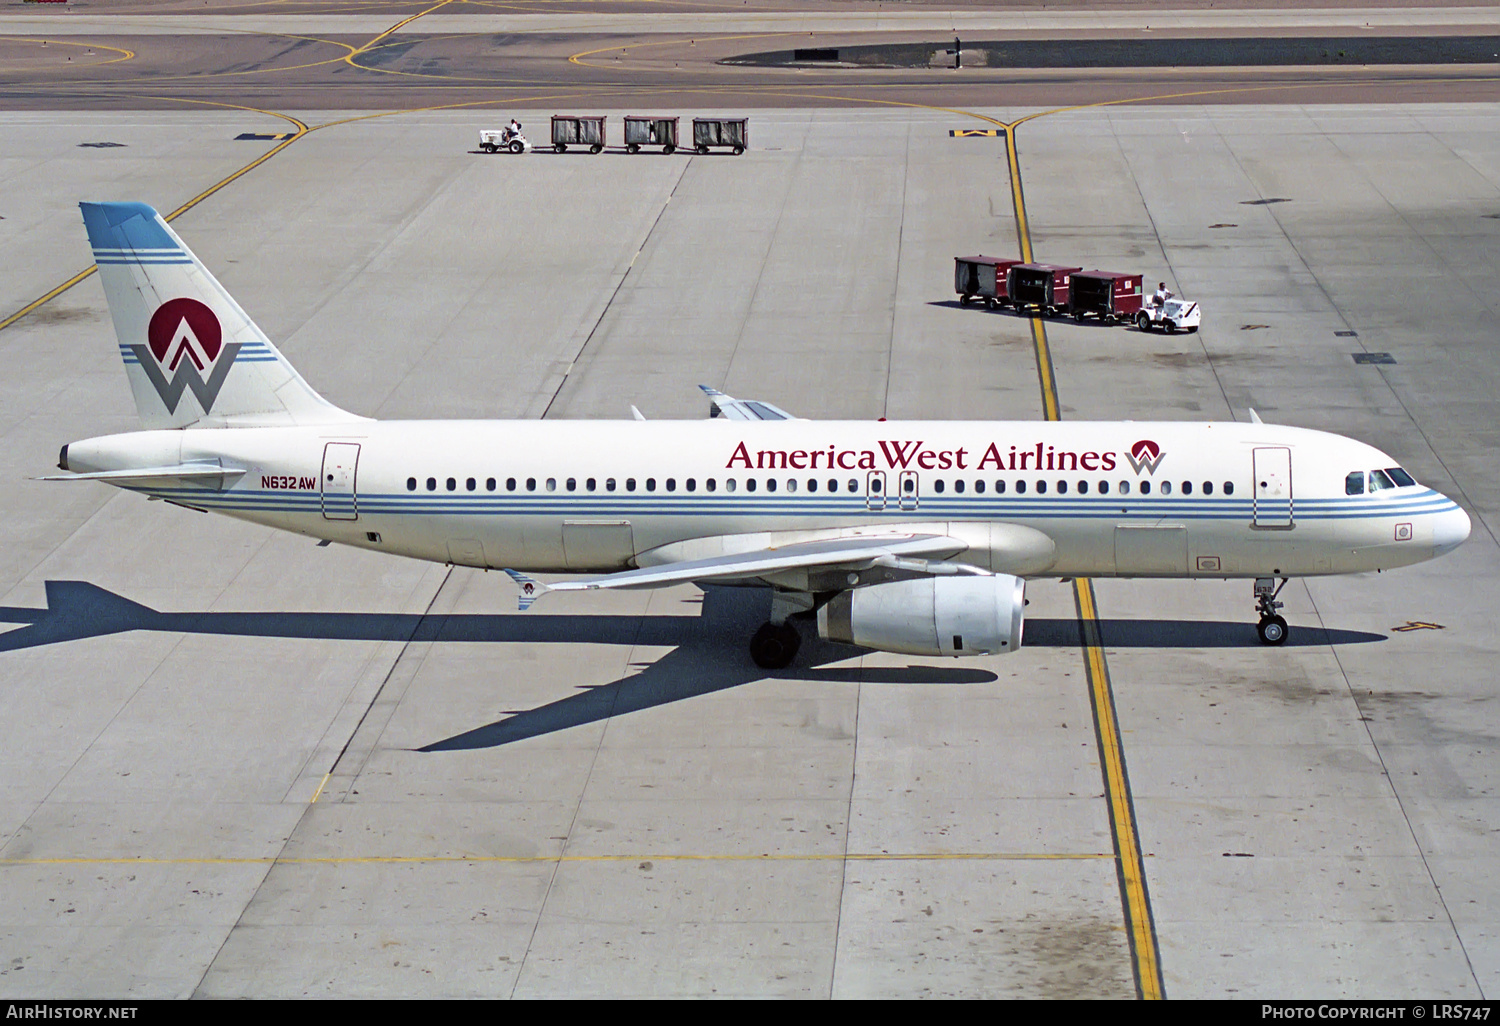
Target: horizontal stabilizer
[[187, 471]]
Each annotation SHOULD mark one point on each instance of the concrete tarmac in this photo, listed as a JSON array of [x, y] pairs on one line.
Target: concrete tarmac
[[629, 807], [241, 764]]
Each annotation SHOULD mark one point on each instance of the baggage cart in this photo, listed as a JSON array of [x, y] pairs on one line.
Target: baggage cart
[[1109, 295], [575, 130], [731, 132], [982, 277], [647, 131], [1041, 286]]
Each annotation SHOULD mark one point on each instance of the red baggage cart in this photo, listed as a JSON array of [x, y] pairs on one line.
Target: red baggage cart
[[1109, 295], [1043, 286], [650, 131], [982, 277], [577, 130]]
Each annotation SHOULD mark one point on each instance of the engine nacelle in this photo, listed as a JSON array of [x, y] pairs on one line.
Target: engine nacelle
[[949, 616]]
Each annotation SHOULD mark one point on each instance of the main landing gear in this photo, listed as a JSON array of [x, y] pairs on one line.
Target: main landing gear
[[775, 644], [1271, 628]]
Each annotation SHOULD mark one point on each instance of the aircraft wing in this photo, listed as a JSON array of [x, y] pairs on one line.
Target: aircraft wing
[[919, 553], [727, 406]]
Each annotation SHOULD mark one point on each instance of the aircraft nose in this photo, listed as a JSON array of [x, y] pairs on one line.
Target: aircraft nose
[[1450, 531]]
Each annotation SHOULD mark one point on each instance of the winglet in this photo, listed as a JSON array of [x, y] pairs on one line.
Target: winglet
[[531, 589], [713, 396], [1255, 417]]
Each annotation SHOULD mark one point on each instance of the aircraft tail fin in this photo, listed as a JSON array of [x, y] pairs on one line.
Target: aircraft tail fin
[[191, 354]]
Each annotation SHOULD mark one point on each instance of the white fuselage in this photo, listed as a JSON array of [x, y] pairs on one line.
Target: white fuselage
[[1029, 498]]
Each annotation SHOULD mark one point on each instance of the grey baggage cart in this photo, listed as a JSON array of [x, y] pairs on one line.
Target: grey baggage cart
[[647, 131], [731, 132], [574, 130]]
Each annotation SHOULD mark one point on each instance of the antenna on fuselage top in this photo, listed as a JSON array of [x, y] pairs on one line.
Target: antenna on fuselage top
[[1254, 417]]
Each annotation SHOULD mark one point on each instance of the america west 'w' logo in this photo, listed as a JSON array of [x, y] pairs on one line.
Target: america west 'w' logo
[[184, 338], [1145, 455]]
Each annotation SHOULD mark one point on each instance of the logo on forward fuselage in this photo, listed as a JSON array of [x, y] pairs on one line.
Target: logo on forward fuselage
[[184, 339], [1145, 455]]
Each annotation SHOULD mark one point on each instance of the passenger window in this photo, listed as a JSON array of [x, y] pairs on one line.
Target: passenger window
[[551, 484], [791, 485], [1228, 487], [1379, 482], [729, 484], [411, 484], [1083, 487], [833, 485], [609, 484], [471, 484], [590, 484], [1124, 487], [572, 484], [1103, 487], [853, 486], [1354, 484], [770, 484], [692, 485], [1145, 487], [958, 486], [671, 484], [1062, 488], [812, 484], [1041, 487], [510, 484], [1000, 488], [979, 487], [1401, 477], [489, 484], [711, 484], [432, 484], [531, 484], [1021, 487], [1208, 487], [1166, 487], [749, 484], [1187, 488], [630, 484], [650, 484], [452, 485], [937, 485]]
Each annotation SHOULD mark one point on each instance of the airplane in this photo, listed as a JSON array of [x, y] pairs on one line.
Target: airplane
[[911, 537]]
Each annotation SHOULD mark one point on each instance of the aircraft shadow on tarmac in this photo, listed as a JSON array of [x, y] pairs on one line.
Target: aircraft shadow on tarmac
[[707, 654]]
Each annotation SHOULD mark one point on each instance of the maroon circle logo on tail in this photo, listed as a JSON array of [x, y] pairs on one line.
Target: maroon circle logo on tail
[[1145, 455], [184, 339], [184, 326]]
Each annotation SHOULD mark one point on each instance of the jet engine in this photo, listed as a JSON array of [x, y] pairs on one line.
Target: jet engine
[[951, 616]]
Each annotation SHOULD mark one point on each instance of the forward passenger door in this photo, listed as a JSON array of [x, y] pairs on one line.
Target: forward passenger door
[[1273, 487]]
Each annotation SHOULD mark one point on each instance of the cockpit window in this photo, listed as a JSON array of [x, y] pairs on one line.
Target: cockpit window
[[1379, 481], [1354, 484], [1401, 477]]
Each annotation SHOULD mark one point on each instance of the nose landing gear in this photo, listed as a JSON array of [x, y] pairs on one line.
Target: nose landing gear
[[1271, 628]]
